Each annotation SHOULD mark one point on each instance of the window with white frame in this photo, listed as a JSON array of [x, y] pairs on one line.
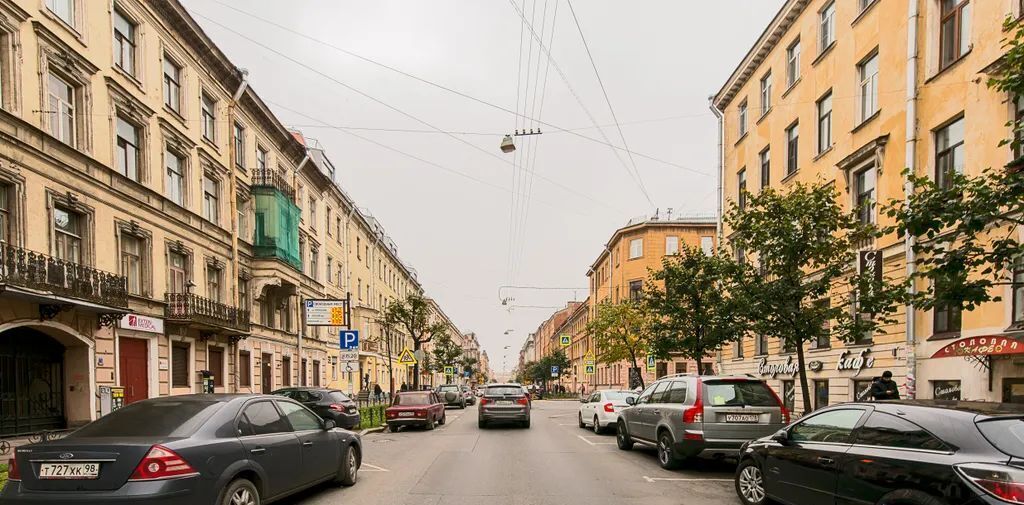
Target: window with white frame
[[172, 84], [636, 248], [124, 42], [864, 186], [131, 262], [208, 113], [743, 118], [826, 27], [69, 234], [175, 179], [766, 93], [741, 188], [211, 199], [213, 283], [177, 272], [314, 264], [867, 72], [6, 231], [671, 245], [825, 123], [127, 149], [793, 63], [261, 158], [238, 136], [765, 160], [66, 10], [242, 207], [949, 152], [707, 245], [61, 109], [792, 149]]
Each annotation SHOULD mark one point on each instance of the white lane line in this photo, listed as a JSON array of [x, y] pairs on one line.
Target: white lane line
[[676, 479], [559, 415], [581, 437], [568, 424], [375, 468]]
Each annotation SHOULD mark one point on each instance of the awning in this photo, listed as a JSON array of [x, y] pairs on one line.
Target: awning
[[984, 345]]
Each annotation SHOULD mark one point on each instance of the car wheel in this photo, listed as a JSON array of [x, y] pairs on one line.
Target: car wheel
[[666, 455], [526, 423], [444, 417], [348, 472], [463, 405], [597, 426], [581, 421], [750, 483], [241, 492], [430, 424], [480, 423], [392, 428], [622, 437]]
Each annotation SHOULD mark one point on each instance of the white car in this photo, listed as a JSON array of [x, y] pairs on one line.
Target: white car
[[601, 409]]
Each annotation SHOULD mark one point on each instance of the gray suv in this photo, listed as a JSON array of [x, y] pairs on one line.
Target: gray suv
[[689, 415]]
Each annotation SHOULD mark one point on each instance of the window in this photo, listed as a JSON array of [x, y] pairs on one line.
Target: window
[[636, 290], [329, 269], [824, 341], [64, 9], [766, 93], [286, 371], [862, 390], [1018, 291], [238, 135], [179, 364], [244, 369], [680, 367], [177, 273], [302, 253], [61, 109], [707, 245], [264, 419], [947, 317], [864, 186], [867, 72], [216, 365], [127, 151], [1017, 126], [742, 188], [359, 249], [5, 213], [636, 248], [208, 107], [300, 418], [242, 208], [327, 221], [676, 392], [124, 43], [172, 85], [949, 152], [864, 4], [792, 149], [243, 294], [314, 263], [793, 63], [835, 426], [820, 394], [737, 349], [659, 393], [825, 123], [765, 160], [885, 430], [175, 178], [312, 212], [827, 27], [68, 230], [743, 118], [946, 390], [760, 345], [131, 262], [671, 245], [213, 283], [789, 394], [955, 31], [211, 199], [261, 158]]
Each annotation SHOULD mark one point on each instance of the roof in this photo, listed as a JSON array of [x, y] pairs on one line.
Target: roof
[[650, 222], [990, 409]]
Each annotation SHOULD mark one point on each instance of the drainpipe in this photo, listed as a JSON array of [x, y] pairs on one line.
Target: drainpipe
[[233, 198], [721, 200], [299, 320], [908, 186]]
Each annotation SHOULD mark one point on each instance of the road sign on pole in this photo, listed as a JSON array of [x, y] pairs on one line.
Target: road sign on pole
[[449, 370], [554, 371], [651, 365], [406, 357], [588, 369], [349, 339], [326, 312], [566, 341]]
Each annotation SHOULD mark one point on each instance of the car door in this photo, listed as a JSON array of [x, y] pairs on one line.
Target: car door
[[634, 415], [319, 449], [590, 408], [272, 446], [651, 415], [804, 469]]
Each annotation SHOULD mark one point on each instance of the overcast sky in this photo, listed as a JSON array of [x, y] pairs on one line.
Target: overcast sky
[[659, 61]]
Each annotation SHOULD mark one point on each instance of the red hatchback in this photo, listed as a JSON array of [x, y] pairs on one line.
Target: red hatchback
[[415, 408]]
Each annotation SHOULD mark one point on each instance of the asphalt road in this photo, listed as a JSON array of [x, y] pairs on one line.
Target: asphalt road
[[552, 463]]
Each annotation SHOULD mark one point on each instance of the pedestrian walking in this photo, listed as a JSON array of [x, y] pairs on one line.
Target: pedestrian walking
[[884, 388], [583, 390], [378, 393], [405, 387]]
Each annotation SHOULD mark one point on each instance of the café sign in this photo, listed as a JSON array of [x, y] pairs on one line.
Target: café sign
[[856, 362], [988, 345]]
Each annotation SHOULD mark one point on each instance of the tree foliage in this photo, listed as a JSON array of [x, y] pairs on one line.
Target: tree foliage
[[445, 352], [622, 332], [413, 315]]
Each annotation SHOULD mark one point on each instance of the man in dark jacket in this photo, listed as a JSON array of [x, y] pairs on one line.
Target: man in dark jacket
[[884, 388]]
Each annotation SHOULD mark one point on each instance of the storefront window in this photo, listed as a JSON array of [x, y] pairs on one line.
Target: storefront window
[[788, 395], [946, 390], [820, 394], [861, 390]]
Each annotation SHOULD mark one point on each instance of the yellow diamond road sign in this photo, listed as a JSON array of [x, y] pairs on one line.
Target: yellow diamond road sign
[[406, 358], [566, 341]]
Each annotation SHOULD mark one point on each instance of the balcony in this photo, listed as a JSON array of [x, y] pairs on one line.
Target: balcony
[[204, 313], [276, 235], [55, 282], [267, 178]]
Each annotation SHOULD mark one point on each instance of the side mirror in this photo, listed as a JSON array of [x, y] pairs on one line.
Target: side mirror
[[781, 436], [329, 425], [583, 400], [630, 401]]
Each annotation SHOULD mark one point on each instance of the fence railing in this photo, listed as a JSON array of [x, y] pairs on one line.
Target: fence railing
[[190, 307], [272, 178], [33, 270]]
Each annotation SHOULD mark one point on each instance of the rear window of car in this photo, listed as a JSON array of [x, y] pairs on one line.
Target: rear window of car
[[1007, 434], [747, 393], [338, 396], [619, 395], [152, 419], [448, 388], [504, 390], [406, 400], [300, 396]]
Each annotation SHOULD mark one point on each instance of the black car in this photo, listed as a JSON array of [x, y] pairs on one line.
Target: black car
[[190, 449], [327, 403], [907, 453]]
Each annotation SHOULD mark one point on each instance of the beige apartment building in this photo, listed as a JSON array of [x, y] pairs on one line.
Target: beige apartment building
[[159, 227], [850, 93]]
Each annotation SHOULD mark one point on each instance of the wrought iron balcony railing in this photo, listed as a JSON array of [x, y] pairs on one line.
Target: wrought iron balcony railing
[[196, 309], [274, 179], [40, 272]]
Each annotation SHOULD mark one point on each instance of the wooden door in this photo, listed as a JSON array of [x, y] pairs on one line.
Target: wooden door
[[267, 372], [134, 361]]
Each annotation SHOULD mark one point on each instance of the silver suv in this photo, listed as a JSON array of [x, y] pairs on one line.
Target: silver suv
[[689, 415]]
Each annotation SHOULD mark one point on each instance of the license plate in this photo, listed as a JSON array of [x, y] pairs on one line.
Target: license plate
[[504, 402], [69, 470], [741, 418], [405, 414]]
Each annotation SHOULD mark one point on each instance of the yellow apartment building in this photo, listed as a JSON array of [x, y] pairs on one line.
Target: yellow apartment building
[[850, 93]]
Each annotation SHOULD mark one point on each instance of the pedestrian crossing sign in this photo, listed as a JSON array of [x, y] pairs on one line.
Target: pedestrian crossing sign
[[589, 359], [588, 369], [449, 370], [406, 357], [650, 363], [566, 341]]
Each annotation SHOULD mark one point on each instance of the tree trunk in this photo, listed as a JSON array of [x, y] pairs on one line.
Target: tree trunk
[[632, 356], [416, 366], [391, 371], [803, 376]]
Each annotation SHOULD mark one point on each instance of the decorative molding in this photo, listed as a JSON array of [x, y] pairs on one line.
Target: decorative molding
[[175, 139], [873, 151], [215, 262], [68, 60], [126, 103]]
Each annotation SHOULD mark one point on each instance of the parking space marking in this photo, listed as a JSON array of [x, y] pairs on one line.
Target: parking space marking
[[568, 424], [374, 468], [581, 437], [559, 415], [681, 479]]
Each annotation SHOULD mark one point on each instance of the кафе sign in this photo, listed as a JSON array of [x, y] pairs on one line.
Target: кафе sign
[[847, 361], [988, 345]]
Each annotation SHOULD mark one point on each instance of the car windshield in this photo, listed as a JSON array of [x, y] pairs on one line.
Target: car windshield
[[504, 391], [409, 399], [739, 393], [444, 389], [619, 395], [1007, 434], [152, 419]]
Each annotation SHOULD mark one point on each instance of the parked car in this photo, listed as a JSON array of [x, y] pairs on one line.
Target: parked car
[[688, 415], [601, 409], [504, 403], [327, 403], [923, 452], [468, 394], [219, 449], [451, 395], [415, 408]]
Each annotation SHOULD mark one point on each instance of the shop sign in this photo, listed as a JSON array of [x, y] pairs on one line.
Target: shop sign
[[142, 323], [857, 362], [789, 367], [946, 390], [815, 365], [981, 346]]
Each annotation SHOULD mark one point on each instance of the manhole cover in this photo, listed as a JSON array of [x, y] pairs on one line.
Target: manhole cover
[[382, 440]]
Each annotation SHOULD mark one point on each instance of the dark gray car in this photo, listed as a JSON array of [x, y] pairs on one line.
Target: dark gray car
[[190, 449], [504, 403], [688, 415]]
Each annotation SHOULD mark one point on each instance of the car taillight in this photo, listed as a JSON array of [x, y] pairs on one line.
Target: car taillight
[[421, 413], [483, 401], [161, 463], [523, 401], [695, 414], [782, 406], [609, 407], [337, 407], [1002, 481], [12, 470]]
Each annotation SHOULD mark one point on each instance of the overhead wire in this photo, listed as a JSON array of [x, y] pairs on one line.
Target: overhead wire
[[529, 142], [515, 156]]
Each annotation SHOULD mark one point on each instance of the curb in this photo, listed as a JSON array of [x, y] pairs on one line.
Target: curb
[[560, 400], [372, 430]]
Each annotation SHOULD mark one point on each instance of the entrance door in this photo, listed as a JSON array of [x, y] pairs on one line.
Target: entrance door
[[31, 382], [1013, 390], [267, 372], [134, 361]]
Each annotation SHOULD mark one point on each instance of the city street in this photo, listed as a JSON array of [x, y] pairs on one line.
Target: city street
[[553, 462]]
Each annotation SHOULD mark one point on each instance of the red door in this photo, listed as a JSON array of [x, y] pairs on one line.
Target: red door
[[134, 354]]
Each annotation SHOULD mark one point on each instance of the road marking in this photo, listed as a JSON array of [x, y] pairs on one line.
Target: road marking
[[568, 424], [375, 468], [559, 415], [676, 479], [581, 437]]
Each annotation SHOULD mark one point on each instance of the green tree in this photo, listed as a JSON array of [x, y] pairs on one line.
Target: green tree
[[696, 304], [445, 353], [622, 332], [806, 247], [415, 317]]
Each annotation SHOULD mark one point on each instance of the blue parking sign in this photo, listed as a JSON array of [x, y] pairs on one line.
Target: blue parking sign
[[349, 339], [554, 371]]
